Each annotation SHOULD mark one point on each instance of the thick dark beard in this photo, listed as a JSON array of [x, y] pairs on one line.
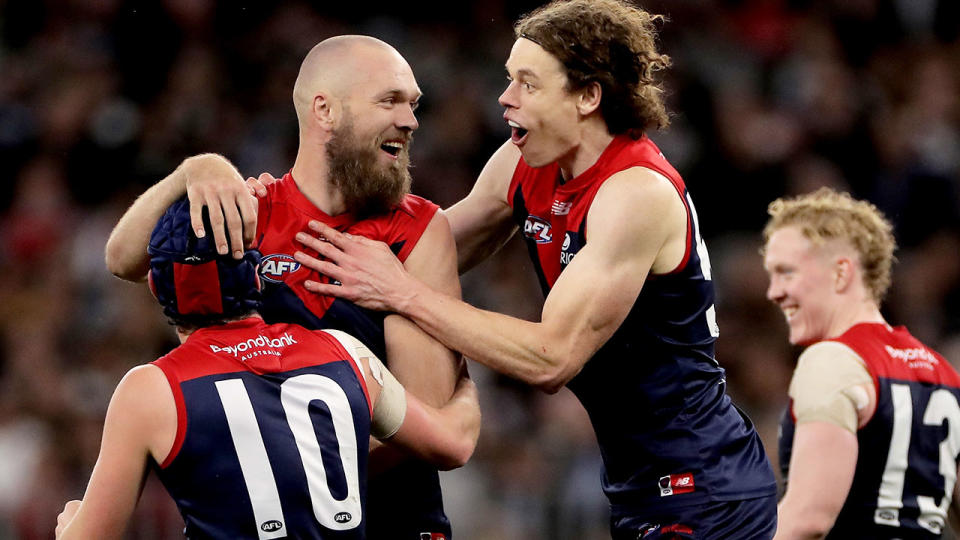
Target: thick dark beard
[[367, 188]]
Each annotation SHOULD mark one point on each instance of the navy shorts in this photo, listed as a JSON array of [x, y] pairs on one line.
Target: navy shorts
[[750, 519]]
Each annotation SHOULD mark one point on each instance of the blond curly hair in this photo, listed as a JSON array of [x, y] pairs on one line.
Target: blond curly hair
[[826, 215], [612, 43]]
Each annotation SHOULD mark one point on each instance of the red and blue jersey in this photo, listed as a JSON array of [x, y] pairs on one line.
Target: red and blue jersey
[[273, 426], [406, 498], [908, 451], [668, 433]]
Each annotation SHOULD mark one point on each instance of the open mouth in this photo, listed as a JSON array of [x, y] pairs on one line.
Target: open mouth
[[517, 132], [392, 147]]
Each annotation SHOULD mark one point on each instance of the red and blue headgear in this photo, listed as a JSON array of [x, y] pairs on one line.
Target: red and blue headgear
[[191, 281]]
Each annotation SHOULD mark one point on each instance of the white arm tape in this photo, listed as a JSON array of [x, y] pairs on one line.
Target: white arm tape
[[391, 407]]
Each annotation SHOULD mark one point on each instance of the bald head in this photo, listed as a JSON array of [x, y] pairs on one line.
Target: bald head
[[338, 66]]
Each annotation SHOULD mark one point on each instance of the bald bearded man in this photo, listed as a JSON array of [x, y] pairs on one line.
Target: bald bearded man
[[355, 98]]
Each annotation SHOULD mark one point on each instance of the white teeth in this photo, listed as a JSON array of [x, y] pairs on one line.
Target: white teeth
[[789, 312], [513, 124], [393, 144]]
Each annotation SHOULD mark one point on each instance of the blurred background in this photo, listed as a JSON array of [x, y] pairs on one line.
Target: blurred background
[[100, 99]]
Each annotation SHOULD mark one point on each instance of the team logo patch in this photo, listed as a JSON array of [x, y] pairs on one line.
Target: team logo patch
[[538, 230], [275, 267], [676, 484], [432, 536]]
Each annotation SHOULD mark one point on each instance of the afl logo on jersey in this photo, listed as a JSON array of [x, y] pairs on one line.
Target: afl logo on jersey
[[276, 267], [343, 517], [538, 230], [270, 526]]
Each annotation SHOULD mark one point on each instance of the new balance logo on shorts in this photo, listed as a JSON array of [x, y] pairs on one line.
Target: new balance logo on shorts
[[676, 484]]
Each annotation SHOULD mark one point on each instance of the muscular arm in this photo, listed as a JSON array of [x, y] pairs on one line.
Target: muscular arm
[[587, 304], [425, 367], [208, 180], [481, 221], [141, 421]]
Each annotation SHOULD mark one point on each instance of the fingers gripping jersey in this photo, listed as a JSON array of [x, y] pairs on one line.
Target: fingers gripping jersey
[[668, 433], [405, 500], [909, 450], [273, 423]]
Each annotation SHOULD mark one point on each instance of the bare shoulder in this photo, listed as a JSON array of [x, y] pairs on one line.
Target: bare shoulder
[[143, 382], [639, 197], [497, 173], [828, 354]]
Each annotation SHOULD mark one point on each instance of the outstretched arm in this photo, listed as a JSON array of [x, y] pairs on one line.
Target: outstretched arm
[[208, 180], [587, 304]]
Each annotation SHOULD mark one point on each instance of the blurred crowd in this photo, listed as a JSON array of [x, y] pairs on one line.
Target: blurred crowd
[[99, 99]]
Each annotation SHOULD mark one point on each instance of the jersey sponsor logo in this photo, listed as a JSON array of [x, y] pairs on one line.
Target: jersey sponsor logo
[[538, 230], [915, 358], [275, 267], [560, 208], [343, 517], [270, 526], [432, 536], [565, 255], [675, 484], [261, 343]]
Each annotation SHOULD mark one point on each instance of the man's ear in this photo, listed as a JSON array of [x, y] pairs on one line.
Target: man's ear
[[589, 100], [844, 272], [326, 110]]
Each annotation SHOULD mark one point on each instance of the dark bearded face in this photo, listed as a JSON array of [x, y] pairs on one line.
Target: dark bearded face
[[370, 185]]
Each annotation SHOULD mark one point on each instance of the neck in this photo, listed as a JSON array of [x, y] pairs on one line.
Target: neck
[[311, 174], [863, 311], [594, 139]]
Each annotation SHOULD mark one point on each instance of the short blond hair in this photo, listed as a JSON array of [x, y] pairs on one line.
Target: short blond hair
[[826, 215]]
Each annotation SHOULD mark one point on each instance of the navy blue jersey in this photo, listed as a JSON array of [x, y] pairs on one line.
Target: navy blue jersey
[[668, 433], [908, 451], [406, 500], [273, 426]]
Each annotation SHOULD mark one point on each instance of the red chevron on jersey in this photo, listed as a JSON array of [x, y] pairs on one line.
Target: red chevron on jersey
[[285, 211]]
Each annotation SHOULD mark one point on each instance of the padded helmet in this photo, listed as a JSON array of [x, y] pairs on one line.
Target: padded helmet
[[193, 283]]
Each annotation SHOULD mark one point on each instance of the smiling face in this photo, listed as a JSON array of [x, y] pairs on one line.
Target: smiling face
[[541, 112], [379, 105], [802, 284], [369, 148]]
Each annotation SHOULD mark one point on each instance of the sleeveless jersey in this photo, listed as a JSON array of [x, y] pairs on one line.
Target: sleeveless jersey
[[273, 426], [908, 451], [406, 498], [669, 435]]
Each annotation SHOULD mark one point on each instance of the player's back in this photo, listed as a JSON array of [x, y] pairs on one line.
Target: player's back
[[272, 438]]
